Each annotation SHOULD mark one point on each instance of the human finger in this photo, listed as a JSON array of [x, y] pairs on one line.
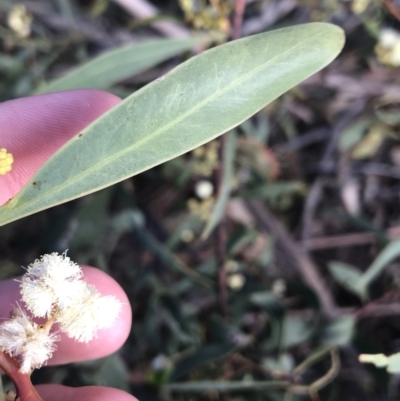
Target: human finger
[[56, 392], [68, 350], [33, 128]]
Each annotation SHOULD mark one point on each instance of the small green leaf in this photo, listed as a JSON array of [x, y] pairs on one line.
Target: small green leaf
[[295, 331], [388, 111], [340, 331], [273, 191], [348, 277], [196, 102], [200, 357], [113, 373], [283, 363], [353, 134], [266, 300], [388, 254], [358, 283], [113, 66]]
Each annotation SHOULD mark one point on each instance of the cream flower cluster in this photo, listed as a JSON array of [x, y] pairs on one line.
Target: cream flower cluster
[[30, 342], [53, 288], [6, 161]]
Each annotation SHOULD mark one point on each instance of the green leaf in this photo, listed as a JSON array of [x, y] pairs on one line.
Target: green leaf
[[348, 277], [273, 191], [390, 252], [357, 282], [354, 134], [266, 300], [225, 386], [295, 331], [223, 196], [199, 100], [130, 219], [340, 331], [200, 357], [113, 66], [112, 373], [388, 111], [282, 363]]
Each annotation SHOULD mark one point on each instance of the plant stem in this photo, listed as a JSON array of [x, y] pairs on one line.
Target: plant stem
[[22, 382], [220, 242], [240, 5], [48, 325]]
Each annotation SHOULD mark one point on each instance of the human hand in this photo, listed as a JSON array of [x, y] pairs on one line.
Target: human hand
[[32, 129]]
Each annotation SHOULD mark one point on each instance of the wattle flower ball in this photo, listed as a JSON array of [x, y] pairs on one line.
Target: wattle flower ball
[[53, 287]]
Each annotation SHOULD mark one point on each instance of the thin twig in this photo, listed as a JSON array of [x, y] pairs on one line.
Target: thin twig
[[220, 236], [314, 358], [79, 27], [327, 378], [371, 310], [339, 241], [269, 13], [378, 310], [310, 206], [144, 10], [389, 4], [230, 386], [305, 265], [222, 274], [325, 164], [346, 240], [224, 386], [240, 5], [308, 138], [382, 169], [22, 382]]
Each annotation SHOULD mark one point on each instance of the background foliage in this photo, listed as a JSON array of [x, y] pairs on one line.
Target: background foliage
[[300, 274]]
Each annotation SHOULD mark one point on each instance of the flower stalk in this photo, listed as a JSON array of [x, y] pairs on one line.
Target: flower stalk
[[22, 382]]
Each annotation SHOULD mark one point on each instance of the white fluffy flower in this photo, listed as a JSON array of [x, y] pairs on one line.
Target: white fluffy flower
[[94, 312], [53, 286], [52, 281], [31, 343]]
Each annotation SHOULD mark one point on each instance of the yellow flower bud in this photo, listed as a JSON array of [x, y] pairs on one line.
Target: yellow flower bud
[[6, 161]]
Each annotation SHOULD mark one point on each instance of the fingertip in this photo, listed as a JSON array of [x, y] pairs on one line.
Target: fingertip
[[33, 128], [57, 392], [107, 340], [68, 350]]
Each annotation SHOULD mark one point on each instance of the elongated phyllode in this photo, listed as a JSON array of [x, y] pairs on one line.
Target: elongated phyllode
[[6, 161]]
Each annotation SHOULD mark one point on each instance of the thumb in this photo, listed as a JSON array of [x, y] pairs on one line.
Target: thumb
[[33, 128]]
